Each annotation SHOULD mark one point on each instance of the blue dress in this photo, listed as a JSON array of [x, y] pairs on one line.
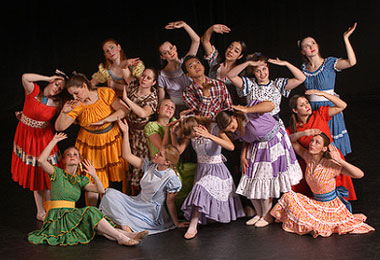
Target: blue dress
[[323, 79], [146, 211]]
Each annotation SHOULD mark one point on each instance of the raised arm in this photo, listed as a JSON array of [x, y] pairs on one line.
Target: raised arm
[[340, 105], [195, 40], [206, 37], [28, 80], [308, 132], [43, 158], [342, 64], [299, 76], [233, 74], [347, 168], [97, 186], [142, 112], [127, 154]]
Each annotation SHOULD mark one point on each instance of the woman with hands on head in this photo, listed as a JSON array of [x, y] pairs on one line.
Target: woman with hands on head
[[34, 131], [99, 139], [320, 74], [159, 184], [306, 122], [171, 79], [327, 212], [220, 65], [64, 223]]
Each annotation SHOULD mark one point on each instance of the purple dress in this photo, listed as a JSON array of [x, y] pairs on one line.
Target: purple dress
[[214, 190], [273, 166]]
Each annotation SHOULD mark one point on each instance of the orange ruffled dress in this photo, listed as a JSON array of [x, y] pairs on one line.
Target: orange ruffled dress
[[101, 144], [302, 215]]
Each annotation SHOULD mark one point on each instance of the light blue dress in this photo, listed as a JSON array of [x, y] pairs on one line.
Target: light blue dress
[[323, 79], [145, 211]]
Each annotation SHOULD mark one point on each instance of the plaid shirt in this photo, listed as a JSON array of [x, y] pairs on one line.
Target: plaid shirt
[[219, 99]]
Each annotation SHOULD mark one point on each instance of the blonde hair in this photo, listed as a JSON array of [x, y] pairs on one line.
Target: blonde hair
[[172, 155]]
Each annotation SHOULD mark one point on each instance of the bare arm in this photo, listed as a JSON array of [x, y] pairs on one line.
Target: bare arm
[[222, 140], [351, 57], [170, 198], [195, 40], [340, 105], [347, 168], [63, 120], [127, 154], [142, 112], [299, 76], [309, 132], [97, 186], [262, 107], [233, 74], [43, 158], [28, 80], [206, 37]]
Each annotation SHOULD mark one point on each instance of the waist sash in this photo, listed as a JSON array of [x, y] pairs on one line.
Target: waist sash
[[102, 131], [33, 123], [339, 192], [55, 204]]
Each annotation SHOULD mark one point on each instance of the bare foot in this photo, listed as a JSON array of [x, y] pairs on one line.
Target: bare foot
[[41, 217], [190, 233], [138, 236], [125, 241]]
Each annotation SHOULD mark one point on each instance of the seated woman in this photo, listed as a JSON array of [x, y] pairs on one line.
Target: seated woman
[[326, 213], [64, 224], [146, 211]]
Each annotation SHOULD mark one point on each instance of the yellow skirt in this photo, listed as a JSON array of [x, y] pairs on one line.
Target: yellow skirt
[[104, 150]]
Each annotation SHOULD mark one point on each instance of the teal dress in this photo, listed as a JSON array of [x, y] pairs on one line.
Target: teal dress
[[67, 226]]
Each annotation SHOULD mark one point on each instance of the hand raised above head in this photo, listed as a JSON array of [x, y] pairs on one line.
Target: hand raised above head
[[59, 136], [175, 25], [349, 31]]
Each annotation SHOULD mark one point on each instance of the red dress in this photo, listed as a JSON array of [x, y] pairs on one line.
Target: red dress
[[319, 120], [33, 134]]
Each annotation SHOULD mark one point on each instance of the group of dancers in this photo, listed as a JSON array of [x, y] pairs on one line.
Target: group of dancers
[[176, 147]]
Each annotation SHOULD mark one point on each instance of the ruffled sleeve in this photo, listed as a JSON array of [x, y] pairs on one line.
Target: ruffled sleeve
[[173, 185], [138, 69], [280, 84], [76, 111]]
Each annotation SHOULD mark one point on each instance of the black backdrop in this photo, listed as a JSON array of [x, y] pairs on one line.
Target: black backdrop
[[40, 37]]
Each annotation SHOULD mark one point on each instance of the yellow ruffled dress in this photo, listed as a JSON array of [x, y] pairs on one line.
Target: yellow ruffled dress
[[101, 145]]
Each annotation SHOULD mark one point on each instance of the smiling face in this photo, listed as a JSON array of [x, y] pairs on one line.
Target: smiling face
[[303, 107], [234, 51], [112, 51], [166, 109], [79, 93], [54, 88], [71, 157], [261, 73], [309, 47], [168, 51]]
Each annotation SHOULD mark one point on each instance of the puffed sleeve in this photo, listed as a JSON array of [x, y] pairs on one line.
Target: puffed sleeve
[[173, 185], [248, 85], [76, 111], [280, 84], [84, 180], [102, 75], [151, 128], [108, 95], [331, 63], [146, 164], [138, 70], [57, 174]]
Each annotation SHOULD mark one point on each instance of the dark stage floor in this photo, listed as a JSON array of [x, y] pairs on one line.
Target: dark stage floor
[[215, 241]]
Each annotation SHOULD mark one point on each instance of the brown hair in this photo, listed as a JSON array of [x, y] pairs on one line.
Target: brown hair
[[171, 154], [256, 56], [326, 142], [224, 118], [293, 118], [188, 123], [122, 54], [77, 80]]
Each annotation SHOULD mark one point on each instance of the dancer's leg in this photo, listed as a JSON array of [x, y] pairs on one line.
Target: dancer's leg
[[111, 233], [192, 229]]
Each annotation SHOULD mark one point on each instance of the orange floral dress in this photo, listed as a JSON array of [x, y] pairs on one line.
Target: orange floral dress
[[302, 215], [101, 144]]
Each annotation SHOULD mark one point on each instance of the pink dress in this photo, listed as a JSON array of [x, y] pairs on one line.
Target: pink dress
[[302, 215]]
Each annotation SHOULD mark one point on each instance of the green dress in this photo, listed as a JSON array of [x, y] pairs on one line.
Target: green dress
[[186, 170], [67, 226]]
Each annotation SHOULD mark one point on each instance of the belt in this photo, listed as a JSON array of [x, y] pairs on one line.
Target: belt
[[33, 123], [54, 204], [102, 131]]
